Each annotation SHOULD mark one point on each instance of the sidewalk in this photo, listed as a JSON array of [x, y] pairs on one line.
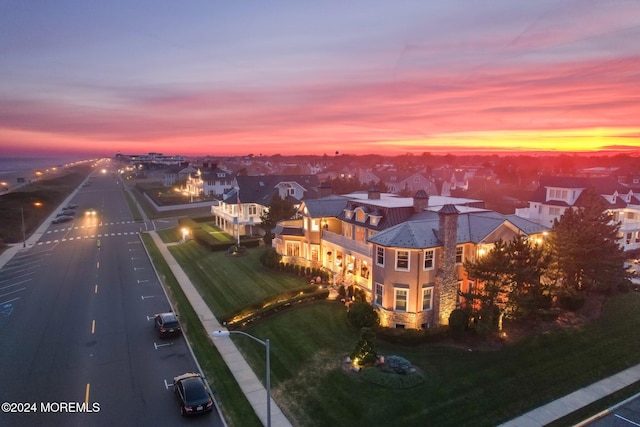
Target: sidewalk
[[249, 383], [572, 402]]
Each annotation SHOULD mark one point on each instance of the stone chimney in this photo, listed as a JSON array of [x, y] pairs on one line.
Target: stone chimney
[[420, 201], [324, 189], [373, 193], [446, 294]]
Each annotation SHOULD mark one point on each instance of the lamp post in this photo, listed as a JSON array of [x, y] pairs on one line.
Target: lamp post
[[268, 369], [24, 229]]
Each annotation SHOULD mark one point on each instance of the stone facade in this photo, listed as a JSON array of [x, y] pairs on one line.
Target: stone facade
[[446, 291]]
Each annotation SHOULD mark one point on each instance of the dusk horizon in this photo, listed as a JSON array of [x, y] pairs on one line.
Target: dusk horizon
[[390, 78]]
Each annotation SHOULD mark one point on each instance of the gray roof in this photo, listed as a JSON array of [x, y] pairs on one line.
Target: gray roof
[[473, 227], [260, 189], [330, 206]]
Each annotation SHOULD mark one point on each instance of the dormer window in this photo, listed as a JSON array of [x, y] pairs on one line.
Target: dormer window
[[375, 217], [361, 214], [348, 213]]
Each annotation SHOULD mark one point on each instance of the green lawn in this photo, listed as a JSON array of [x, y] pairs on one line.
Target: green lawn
[[229, 284], [462, 387]]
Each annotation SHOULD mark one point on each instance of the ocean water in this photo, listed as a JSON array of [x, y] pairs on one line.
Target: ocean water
[[15, 164], [14, 170]]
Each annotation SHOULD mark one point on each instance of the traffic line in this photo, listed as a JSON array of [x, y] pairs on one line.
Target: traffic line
[[93, 326], [95, 290], [167, 385], [86, 394], [157, 346], [13, 292], [148, 296]]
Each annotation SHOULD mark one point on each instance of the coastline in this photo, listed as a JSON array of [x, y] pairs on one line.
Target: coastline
[[16, 172]]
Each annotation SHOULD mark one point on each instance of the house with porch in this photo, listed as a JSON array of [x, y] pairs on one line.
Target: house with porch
[[239, 211], [401, 251], [556, 194]]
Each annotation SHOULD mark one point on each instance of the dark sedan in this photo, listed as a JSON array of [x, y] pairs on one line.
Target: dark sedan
[[193, 393], [167, 325]]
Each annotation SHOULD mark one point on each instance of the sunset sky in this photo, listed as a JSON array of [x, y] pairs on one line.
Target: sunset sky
[[302, 77]]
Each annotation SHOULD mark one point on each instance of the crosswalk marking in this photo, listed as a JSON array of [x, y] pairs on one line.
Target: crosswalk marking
[[93, 236]]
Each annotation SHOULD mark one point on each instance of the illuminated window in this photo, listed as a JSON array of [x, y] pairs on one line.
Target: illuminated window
[[401, 299], [428, 259], [379, 292], [427, 298], [348, 231], [402, 260], [315, 225], [293, 249]]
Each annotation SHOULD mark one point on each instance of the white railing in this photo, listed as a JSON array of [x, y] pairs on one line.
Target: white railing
[[340, 240]]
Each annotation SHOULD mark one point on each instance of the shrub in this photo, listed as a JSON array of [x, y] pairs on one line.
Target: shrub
[[270, 258], [412, 337], [571, 300], [364, 352], [458, 322], [362, 315]]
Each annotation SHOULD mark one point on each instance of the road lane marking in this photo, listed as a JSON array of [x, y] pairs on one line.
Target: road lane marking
[[10, 300], [167, 385], [19, 283], [98, 264], [148, 296], [626, 419], [13, 292], [95, 291], [86, 394], [142, 281], [162, 345], [93, 326]]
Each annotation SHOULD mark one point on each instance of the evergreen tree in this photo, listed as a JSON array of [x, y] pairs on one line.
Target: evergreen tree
[[585, 248], [509, 281], [279, 210]]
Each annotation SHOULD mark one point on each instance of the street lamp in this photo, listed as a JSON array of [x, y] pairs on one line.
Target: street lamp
[[24, 229], [185, 234], [268, 373]]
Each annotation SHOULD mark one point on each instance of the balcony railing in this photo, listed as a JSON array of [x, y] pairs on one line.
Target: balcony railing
[[340, 240]]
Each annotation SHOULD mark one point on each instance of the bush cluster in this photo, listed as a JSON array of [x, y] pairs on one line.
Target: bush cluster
[[272, 306], [363, 315], [412, 337]]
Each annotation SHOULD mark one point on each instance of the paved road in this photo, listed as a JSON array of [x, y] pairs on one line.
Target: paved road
[[626, 414], [75, 325]]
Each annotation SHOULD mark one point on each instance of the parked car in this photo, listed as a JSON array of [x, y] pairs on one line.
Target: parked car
[[62, 218], [193, 393], [67, 212], [167, 325], [71, 206]]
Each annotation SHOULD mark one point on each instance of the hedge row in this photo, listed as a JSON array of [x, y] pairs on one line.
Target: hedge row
[[208, 241], [189, 223], [284, 301], [411, 337]]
